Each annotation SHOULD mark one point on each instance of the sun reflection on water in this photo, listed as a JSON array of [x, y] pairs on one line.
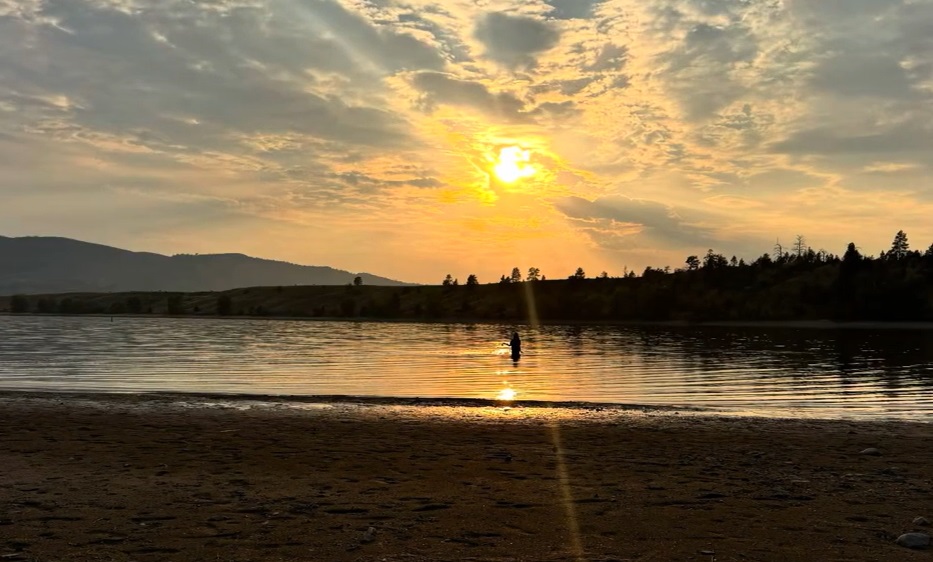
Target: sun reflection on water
[[506, 394]]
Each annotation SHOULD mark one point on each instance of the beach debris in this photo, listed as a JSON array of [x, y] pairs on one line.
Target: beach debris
[[913, 540], [921, 521], [871, 451], [369, 536], [708, 552]]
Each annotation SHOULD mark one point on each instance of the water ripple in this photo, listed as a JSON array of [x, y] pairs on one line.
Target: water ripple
[[767, 371]]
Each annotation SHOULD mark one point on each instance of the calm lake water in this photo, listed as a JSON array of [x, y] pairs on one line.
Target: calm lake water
[[764, 371]]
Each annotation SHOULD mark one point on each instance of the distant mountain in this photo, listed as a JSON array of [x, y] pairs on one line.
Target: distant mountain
[[39, 264]]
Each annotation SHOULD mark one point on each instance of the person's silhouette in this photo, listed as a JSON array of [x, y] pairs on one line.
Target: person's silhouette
[[516, 345]]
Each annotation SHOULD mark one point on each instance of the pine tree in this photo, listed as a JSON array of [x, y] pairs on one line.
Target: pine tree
[[899, 247]]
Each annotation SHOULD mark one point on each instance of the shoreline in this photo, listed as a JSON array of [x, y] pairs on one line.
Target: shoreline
[[286, 400], [441, 408], [763, 324], [139, 480]]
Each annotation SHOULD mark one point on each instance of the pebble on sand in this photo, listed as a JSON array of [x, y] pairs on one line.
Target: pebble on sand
[[921, 521], [369, 535], [913, 540], [871, 451]]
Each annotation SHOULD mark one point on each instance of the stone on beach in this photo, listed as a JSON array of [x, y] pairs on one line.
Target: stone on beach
[[871, 451], [913, 540], [921, 521], [369, 535]]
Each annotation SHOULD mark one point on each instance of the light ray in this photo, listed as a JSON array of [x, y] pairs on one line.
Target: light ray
[[563, 482]]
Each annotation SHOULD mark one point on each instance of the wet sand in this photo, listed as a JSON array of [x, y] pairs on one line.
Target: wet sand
[[147, 478]]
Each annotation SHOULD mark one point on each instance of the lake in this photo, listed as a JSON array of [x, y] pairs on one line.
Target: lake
[[833, 373]]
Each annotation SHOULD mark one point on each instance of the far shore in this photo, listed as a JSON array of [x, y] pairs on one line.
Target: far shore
[[776, 324], [153, 478]]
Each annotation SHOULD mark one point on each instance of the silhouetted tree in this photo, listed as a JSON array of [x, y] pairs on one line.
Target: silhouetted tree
[[845, 283], [899, 247], [357, 280], [19, 304], [472, 281], [852, 254], [533, 274], [713, 260], [224, 305], [448, 281], [929, 252], [800, 245], [778, 250], [505, 280], [516, 275], [693, 263], [603, 275], [578, 274]]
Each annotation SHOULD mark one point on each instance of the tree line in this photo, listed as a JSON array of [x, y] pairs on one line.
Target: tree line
[[788, 283], [795, 283]]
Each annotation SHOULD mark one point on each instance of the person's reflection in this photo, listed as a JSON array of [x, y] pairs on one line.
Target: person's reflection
[[847, 348]]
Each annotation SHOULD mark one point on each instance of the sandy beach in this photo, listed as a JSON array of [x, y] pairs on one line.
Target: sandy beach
[[154, 478]]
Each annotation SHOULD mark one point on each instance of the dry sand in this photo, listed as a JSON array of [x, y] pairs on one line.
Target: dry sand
[[148, 478]]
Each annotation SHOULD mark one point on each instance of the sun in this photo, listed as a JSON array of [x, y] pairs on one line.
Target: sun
[[513, 164]]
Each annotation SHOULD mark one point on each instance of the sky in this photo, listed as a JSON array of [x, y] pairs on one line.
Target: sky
[[413, 139]]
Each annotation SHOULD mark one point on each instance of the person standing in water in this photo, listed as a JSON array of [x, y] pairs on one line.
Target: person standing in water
[[516, 345]]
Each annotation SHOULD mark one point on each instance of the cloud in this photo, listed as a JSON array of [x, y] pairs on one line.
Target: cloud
[[514, 40], [701, 71], [572, 9], [902, 138], [392, 50], [610, 58], [128, 73], [557, 109], [609, 218], [869, 75], [438, 88], [442, 88]]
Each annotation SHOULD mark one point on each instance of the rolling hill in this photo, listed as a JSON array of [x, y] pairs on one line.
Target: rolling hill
[[39, 264]]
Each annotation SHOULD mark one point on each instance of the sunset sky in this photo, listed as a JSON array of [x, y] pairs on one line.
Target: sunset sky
[[415, 139]]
